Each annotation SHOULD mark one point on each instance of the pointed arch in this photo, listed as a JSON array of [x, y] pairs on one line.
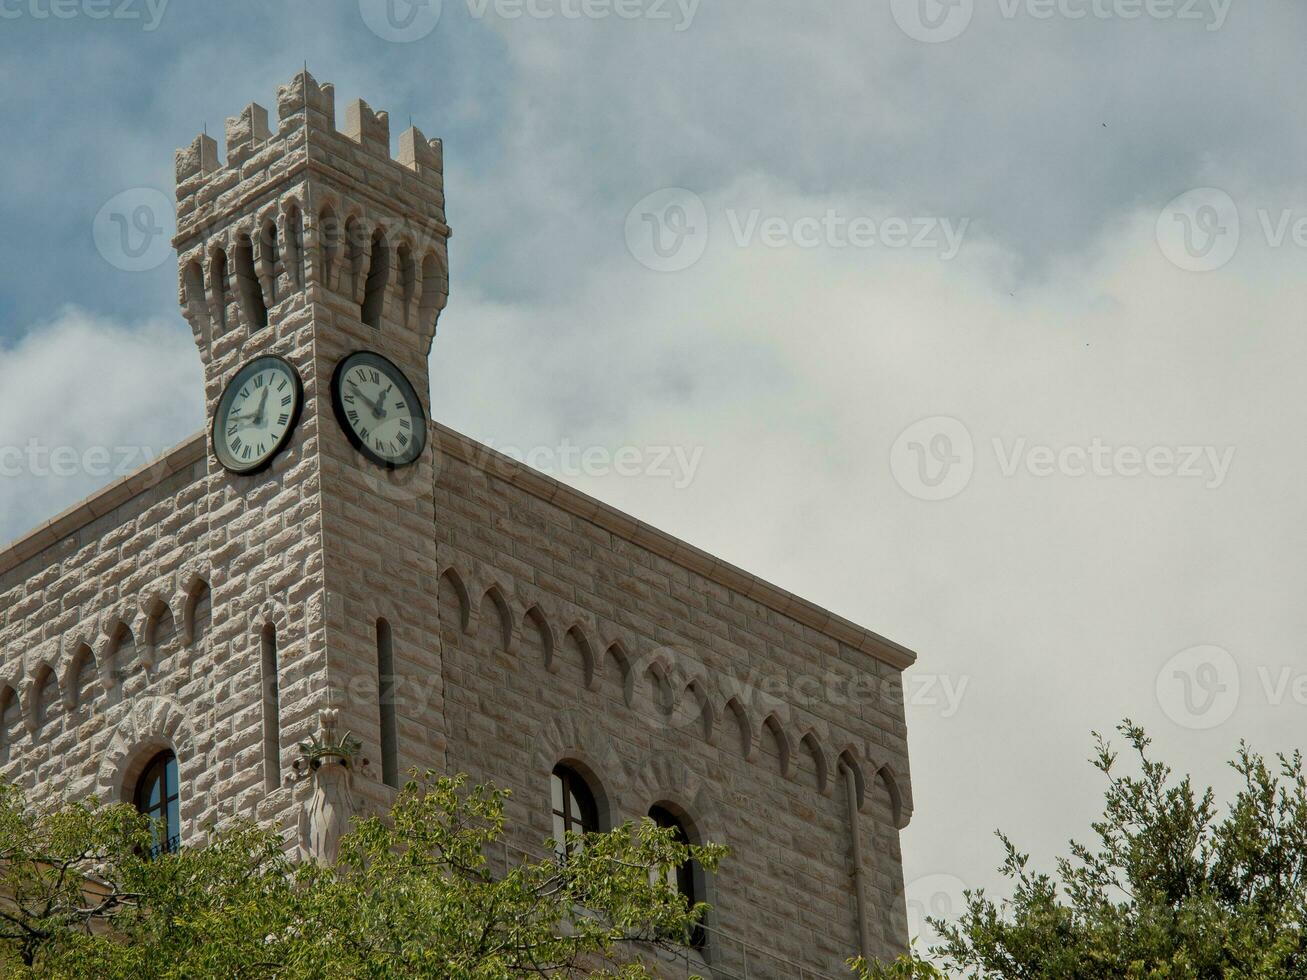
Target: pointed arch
[[813, 748], [78, 679], [42, 696], [194, 301], [406, 269], [772, 725], [435, 290], [748, 740], [328, 234], [900, 806], [616, 661], [695, 709], [253, 308], [374, 288], [575, 636], [269, 260], [451, 586], [356, 248], [158, 617], [495, 609], [11, 719], [218, 288], [197, 610], [540, 632], [293, 235], [848, 762]]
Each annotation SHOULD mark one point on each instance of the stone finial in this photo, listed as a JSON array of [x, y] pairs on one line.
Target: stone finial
[[246, 134]]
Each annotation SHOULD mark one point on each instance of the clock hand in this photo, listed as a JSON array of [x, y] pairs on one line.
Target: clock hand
[[381, 402], [263, 404], [376, 414]]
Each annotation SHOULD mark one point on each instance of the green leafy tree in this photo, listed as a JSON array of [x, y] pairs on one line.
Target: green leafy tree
[[1171, 889], [413, 895]]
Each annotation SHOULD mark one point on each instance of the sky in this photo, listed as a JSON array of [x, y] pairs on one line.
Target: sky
[[975, 321]]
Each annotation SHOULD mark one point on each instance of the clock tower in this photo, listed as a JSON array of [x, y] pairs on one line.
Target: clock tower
[[311, 258]]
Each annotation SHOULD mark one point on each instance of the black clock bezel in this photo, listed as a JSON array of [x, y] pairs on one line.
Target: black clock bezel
[[410, 396], [297, 410]]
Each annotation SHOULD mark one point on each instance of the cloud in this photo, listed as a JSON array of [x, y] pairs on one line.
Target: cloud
[[85, 400]]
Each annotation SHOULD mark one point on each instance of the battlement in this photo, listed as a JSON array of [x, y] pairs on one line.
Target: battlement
[[306, 131], [309, 206]]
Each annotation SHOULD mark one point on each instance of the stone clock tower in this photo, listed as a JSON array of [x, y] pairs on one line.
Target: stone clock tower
[[312, 243], [413, 599]]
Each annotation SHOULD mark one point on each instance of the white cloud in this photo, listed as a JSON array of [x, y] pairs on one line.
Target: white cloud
[[1055, 600], [83, 401]]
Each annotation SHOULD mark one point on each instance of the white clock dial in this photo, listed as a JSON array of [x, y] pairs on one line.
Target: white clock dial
[[379, 409], [257, 414]]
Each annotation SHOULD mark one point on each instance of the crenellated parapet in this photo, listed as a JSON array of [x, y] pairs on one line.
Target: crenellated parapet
[[310, 213]]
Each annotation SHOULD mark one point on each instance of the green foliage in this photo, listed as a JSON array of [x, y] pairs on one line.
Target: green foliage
[[413, 896], [1170, 890]]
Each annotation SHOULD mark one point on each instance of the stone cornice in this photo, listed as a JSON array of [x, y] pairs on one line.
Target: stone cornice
[[524, 478], [102, 502], [666, 546]]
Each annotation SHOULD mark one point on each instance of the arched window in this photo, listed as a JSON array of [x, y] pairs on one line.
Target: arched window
[[575, 809], [685, 878], [157, 797]]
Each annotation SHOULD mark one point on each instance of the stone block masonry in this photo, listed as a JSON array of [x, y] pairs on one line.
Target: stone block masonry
[[528, 625]]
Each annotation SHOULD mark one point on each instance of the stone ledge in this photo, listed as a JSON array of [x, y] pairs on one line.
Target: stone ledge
[[525, 478], [102, 502], [666, 546]]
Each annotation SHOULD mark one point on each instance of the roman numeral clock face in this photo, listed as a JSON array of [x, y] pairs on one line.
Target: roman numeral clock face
[[379, 409], [257, 414]]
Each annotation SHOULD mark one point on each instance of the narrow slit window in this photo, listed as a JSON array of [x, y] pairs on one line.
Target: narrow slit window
[[386, 699], [271, 711]]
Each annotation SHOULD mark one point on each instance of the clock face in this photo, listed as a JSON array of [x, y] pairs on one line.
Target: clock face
[[379, 409], [257, 414]]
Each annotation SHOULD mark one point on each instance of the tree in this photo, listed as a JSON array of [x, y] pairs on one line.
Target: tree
[[1170, 890], [413, 895]]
